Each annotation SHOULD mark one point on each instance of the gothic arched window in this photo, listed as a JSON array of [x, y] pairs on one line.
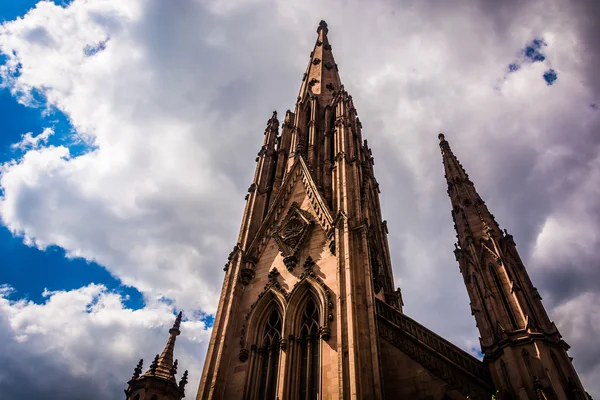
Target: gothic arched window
[[268, 351], [309, 352]]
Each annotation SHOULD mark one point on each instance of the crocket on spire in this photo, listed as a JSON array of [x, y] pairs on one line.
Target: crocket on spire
[[321, 77]]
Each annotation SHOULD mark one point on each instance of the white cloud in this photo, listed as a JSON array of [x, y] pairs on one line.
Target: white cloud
[[86, 337], [28, 141], [176, 102]]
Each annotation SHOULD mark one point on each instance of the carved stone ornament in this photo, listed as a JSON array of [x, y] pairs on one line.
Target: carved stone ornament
[[244, 353], [246, 275], [290, 262], [290, 235], [247, 272]]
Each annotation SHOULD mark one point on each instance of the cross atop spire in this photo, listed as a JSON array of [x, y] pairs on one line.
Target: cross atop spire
[[321, 77]]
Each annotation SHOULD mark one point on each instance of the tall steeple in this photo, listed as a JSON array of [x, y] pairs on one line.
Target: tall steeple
[[312, 225], [159, 380], [522, 347]]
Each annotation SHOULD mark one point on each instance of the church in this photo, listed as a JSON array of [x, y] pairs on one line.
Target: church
[[309, 309]]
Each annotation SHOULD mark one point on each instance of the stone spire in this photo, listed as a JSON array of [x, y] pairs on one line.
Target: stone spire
[[164, 363], [471, 216], [160, 377], [522, 347], [321, 77]]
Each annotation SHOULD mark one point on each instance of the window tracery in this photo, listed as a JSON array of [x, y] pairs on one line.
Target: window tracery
[[309, 352], [269, 356]]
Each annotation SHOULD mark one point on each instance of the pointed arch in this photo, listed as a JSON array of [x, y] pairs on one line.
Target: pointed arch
[[298, 295], [305, 324], [264, 334], [267, 299]]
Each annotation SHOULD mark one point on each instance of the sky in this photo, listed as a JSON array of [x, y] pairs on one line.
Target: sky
[[128, 132]]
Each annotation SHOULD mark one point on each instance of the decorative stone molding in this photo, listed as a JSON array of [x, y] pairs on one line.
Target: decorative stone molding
[[331, 238], [290, 235], [246, 275], [247, 272], [325, 333], [322, 213], [232, 254], [290, 262], [244, 354]]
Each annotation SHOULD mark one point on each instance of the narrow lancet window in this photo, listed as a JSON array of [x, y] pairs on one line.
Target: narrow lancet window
[[269, 357], [309, 342]]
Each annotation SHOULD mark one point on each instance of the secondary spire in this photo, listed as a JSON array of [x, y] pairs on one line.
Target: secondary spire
[[160, 377]]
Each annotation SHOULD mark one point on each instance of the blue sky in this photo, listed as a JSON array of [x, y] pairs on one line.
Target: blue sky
[[25, 268]]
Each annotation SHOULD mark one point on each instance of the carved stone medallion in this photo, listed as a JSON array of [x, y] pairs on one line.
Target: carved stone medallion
[[289, 236]]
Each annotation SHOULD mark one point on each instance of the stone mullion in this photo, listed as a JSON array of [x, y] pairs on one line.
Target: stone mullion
[[250, 388], [257, 376], [270, 350]]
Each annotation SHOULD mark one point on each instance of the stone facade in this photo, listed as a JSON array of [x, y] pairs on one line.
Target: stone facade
[[308, 308]]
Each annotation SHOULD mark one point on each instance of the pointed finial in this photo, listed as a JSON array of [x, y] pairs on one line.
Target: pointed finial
[[174, 368], [138, 370], [183, 381], [154, 365], [441, 137], [177, 324], [322, 25]]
